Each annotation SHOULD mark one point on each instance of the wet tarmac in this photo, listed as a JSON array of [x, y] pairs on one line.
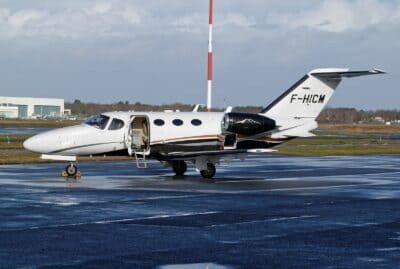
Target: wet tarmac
[[266, 212]]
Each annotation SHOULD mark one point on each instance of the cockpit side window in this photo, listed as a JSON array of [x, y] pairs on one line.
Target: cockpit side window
[[99, 121], [116, 124]]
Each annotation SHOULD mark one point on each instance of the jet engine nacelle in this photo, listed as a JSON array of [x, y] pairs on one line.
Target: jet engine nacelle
[[247, 124]]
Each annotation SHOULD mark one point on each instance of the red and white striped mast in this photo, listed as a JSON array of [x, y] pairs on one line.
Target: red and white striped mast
[[210, 58]]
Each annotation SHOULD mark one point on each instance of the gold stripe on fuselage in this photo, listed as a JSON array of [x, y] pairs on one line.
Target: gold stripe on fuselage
[[188, 138]]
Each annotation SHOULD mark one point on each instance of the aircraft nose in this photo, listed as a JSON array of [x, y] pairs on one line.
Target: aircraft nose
[[35, 144]]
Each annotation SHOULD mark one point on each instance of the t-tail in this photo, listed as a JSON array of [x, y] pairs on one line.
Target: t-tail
[[296, 110]]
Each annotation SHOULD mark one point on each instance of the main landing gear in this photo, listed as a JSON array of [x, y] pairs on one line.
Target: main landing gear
[[179, 167], [209, 172], [71, 171]]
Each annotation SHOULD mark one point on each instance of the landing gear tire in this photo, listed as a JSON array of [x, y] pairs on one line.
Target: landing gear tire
[[179, 167], [71, 171], [210, 172]]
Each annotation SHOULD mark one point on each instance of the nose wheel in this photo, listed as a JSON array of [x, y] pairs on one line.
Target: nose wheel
[[71, 170], [209, 172]]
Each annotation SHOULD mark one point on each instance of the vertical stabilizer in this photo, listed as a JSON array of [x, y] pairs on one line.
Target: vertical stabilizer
[[307, 97], [296, 110]]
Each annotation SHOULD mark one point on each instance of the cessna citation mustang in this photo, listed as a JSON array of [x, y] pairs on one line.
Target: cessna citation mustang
[[204, 138]]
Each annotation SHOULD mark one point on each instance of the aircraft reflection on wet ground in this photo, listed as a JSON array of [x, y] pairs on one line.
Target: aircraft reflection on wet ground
[[266, 212]]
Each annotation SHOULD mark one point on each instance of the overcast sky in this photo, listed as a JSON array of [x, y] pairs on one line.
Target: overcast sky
[[155, 51]]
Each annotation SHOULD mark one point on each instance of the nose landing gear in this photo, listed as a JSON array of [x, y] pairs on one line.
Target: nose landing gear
[[71, 171]]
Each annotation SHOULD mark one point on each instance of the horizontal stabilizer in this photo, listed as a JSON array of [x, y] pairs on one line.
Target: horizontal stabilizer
[[343, 73]]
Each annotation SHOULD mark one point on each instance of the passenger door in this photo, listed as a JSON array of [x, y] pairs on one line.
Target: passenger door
[[137, 136]]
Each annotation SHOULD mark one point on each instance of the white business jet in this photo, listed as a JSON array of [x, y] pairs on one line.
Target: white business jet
[[204, 138]]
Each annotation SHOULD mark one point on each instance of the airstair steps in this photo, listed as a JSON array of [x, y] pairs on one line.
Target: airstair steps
[[140, 160]]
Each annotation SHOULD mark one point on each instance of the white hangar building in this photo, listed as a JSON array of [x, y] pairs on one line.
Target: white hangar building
[[27, 107]]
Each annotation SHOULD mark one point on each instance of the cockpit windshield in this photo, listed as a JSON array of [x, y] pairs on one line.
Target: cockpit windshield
[[99, 121]]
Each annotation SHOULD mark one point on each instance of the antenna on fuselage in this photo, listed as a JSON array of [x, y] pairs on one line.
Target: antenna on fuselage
[[210, 57]]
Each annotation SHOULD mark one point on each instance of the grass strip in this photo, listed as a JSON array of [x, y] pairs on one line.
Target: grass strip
[[10, 123], [362, 128], [13, 141]]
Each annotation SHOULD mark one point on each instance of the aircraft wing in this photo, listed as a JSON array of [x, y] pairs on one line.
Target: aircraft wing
[[213, 154]]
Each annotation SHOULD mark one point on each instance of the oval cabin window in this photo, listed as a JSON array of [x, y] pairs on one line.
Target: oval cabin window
[[159, 122], [196, 122], [177, 122]]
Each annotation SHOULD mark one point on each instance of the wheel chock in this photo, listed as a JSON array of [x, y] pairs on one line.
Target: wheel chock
[[78, 175]]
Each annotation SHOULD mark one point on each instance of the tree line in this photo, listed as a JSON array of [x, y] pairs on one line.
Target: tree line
[[328, 115], [352, 115]]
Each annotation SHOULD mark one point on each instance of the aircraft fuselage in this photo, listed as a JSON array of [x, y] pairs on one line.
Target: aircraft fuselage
[[157, 134]]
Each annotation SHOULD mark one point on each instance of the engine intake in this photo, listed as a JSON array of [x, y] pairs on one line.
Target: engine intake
[[247, 124]]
